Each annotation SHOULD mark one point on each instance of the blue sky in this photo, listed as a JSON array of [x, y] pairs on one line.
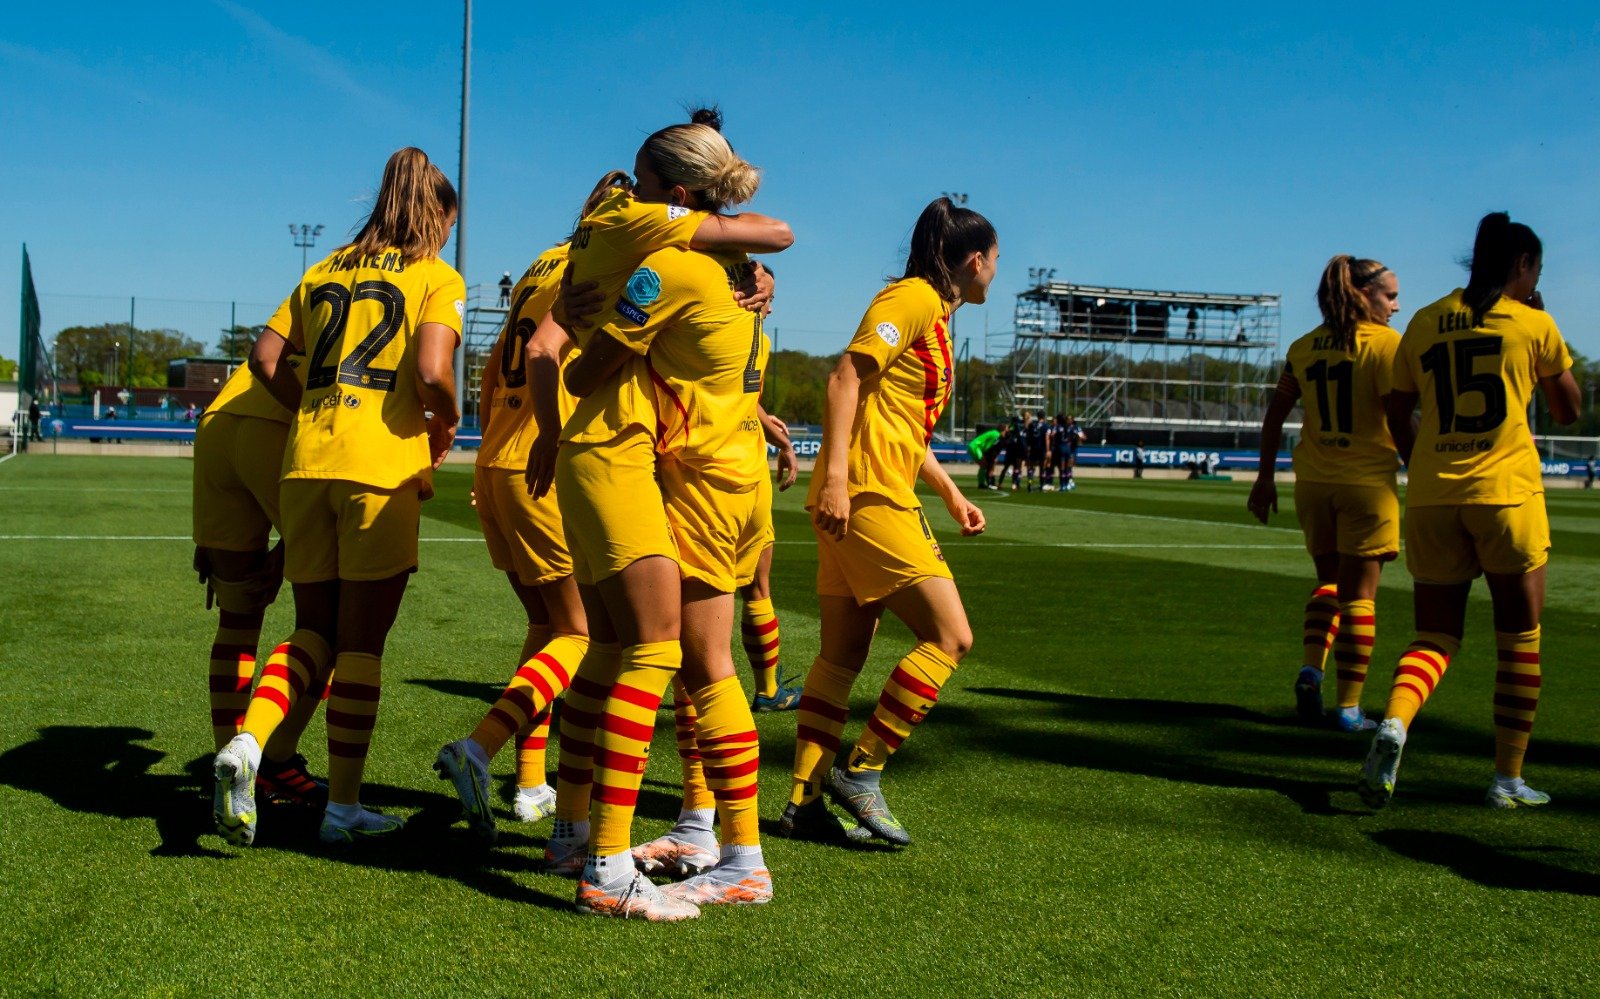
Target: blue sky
[[160, 150]]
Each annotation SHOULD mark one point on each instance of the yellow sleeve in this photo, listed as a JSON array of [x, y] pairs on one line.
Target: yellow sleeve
[[296, 333], [1291, 365], [644, 227], [1402, 376], [893, 320], [1384, 350], [1552, 355], [446, 303], [283, 318]]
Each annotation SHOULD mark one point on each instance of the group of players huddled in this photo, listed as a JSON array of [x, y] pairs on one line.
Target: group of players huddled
[[1025, 449], [1475, 500], [624, 489]]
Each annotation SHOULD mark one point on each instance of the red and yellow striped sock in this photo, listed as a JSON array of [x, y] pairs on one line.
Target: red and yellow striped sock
[[759, 627], [233, 666], [908, 695], [538, 637], [824, 708], [580, 714], [1352, 648], [697, 795], [532, 738], [531, 742], [1516, 698], [291, 670], [538, 683], [1321, 625], [726, 734], [285, 739], [622, 742], [352, 713], [1421, 668]]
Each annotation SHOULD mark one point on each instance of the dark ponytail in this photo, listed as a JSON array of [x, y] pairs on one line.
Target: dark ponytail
[[1500, 243], [942, 239]]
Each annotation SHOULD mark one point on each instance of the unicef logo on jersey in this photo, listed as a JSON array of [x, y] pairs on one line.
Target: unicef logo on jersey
[[351, 402], [644, 287]]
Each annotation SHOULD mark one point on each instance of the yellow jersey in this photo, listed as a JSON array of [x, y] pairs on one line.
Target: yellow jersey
[[706, 357], [610, 244], [1345, 438], [906, 330], [1475, 383], [356, 317], [243, 394], [504, 397]]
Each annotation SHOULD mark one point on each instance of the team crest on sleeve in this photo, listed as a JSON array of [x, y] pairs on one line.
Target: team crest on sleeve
[[644, 287], [675, 212], [461, 308], [889, 333]]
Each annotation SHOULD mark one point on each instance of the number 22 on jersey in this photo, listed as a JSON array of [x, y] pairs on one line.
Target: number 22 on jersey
[[357, 367]]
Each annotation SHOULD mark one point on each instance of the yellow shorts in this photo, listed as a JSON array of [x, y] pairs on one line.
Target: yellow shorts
[[237, 460], [334, 529], [524, 535], [712, 525], [611, 505], [1360, 521], [1453, 544], [758, 537], [886, 550]]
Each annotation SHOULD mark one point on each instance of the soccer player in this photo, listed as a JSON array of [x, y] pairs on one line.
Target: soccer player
[[1034, 437], [1065, 440], [982, 449], [527, 543], [238, 451], [758, 618], [378, 320], [1013, 449], [1344, 474], [1475, 499], [707, 356], [875, 549], [624, 553]]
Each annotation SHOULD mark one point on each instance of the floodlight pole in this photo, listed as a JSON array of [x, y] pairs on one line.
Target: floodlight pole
[[305, 236], [461, 196]]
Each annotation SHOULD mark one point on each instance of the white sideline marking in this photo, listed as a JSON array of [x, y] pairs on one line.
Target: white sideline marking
[[1153, 516], [474, 540], [8, 457]]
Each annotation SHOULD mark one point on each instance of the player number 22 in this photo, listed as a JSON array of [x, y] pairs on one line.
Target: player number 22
[[357, 367]]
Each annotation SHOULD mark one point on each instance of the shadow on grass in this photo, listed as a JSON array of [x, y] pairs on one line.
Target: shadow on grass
[[1195, 732], [105, 771], [1486, 865], [488, 693], [1197, 739]]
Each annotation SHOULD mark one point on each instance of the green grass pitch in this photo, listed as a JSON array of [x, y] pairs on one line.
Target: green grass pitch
[[1111, 799]]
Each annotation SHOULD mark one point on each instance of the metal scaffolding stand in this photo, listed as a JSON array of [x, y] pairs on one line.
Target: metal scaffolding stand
[[480, 329], [1165, 366]]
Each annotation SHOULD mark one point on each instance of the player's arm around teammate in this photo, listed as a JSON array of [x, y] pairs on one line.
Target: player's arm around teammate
[[1475, 494], [1345, 492], [624, 554], [875, 549], [379, 320]]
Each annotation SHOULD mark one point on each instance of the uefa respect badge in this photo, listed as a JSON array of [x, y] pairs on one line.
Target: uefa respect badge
[[644, 287]]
